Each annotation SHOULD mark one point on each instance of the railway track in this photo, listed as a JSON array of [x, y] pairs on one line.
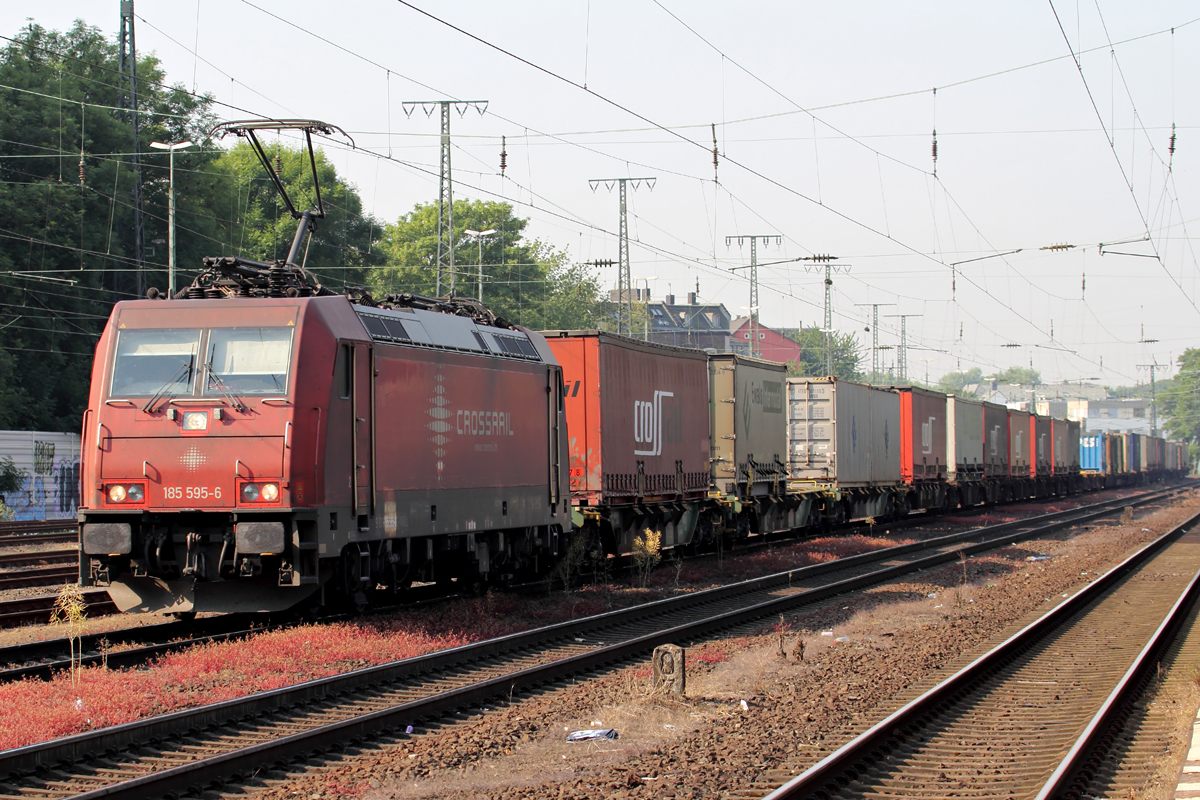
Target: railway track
[[39, 576], [42, 557], [1035, 716], [19, 527], [38, 537], [198, 746], [38, 609], [43, 658]]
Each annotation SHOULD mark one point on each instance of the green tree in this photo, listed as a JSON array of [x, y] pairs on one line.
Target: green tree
[[65, 210], [526, 282], [1179, 405], [1025, 376], [953, 382], [847, 354]]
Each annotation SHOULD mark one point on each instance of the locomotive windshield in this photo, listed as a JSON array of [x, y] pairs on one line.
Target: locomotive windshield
[[248, 360], [150, 361], [215, 362]]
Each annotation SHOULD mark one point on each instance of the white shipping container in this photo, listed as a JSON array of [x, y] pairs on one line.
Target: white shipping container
[[844, 433], [964, 438], [50, 462]]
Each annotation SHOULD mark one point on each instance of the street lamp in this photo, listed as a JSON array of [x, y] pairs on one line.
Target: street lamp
[[646, 301], [479, 239], [171, 213]]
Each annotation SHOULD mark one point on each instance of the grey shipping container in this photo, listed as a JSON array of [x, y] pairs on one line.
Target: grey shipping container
[[749, 427], [1019, 444], [995, 440], [1059, 442], [964, 438], [1073, 436], [842, 432]]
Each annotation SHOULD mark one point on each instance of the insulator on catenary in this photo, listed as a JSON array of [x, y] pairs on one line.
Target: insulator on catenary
[[503, 155], [81, 172], [278, 165], [1171, 146], [934, 149]]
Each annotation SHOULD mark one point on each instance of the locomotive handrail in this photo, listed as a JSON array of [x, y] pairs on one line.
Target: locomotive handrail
[[287, 431]]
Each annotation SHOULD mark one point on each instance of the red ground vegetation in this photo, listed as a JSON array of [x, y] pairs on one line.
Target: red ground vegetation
[[37, 711]]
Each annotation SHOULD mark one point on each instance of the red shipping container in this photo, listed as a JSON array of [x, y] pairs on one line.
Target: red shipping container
[[922, 434], [637, 417]]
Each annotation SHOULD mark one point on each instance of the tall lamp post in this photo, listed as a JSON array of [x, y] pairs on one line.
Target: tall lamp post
[[479, 239], [171, 213]]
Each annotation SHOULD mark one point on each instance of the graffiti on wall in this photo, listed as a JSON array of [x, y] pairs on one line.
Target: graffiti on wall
[[51, 489]]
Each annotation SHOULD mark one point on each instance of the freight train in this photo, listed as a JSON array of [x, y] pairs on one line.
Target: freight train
[[257, 441], [284, 443]]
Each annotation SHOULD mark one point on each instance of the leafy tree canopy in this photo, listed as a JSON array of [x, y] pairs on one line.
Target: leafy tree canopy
[[66, 228], [1026, 376], [953, 382], [847, 354], [526, 282], [1179, 403]]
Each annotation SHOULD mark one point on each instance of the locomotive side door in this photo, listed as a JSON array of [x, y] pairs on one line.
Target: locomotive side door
[[364, 427], [554, 410]]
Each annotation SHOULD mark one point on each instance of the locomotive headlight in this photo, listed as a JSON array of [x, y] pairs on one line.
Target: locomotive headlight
[[116, 494], [195, 420], [135, 493], [270, 492], [250, 492]]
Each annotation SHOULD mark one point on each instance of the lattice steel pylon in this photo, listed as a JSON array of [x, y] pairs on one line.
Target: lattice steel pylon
[[902, 355], [445, 251], [128, 68], [624, 281], [755, 348], [874, 337]]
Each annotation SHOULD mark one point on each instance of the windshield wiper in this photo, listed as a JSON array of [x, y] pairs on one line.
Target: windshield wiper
[[215, 380], [184, 374]]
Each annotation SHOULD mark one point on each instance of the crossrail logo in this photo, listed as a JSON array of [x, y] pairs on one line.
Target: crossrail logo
[[927, 436], [654, 421]]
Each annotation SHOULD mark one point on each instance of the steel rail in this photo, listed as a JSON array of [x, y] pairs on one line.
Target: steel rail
[[41, 659], [46, 537], [1079, 766], [217, 768], [830, 775], [22, 526], [38, 609], [60, 556], [39, 576]]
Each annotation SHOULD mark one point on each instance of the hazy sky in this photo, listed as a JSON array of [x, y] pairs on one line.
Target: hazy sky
[[824, 115]]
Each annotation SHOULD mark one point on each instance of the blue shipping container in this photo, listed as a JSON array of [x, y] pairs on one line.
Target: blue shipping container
[[1092, 453]]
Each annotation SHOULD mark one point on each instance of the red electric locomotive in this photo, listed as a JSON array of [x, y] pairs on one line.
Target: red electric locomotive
[[258, 439], [239, 453]]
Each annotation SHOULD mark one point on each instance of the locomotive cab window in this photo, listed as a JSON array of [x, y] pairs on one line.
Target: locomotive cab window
[[248, 360], [150, 361]]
